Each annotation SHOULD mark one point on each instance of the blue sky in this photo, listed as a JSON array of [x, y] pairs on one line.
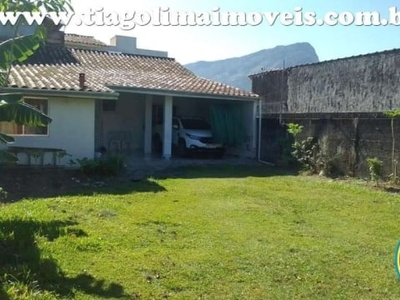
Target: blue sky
[[190, 44]]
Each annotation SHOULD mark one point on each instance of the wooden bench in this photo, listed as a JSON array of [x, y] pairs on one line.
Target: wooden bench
[[37, 152]]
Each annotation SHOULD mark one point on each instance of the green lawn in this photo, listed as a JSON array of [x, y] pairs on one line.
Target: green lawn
[[233, 233]]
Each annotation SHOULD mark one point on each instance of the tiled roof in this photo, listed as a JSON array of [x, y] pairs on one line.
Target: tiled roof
[[59, 68], [76, 39]]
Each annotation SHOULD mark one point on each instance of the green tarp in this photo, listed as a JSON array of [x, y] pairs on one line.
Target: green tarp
[[228, 126]]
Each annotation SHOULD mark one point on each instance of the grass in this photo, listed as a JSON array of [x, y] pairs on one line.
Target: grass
[[224, 234]]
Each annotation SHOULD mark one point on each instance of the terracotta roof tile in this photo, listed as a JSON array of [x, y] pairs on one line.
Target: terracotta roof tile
[[76, 39], [59, 68]]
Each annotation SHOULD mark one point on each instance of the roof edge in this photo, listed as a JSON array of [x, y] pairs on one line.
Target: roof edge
[[172, 93], [64, 93], [326, 115], [111, 52]]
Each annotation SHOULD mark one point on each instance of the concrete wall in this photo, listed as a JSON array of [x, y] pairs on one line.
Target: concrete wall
[[72, 129], [346, 142], [367, 83], [339, 102], [273, 88]]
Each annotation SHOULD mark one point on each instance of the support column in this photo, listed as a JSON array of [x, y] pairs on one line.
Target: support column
[[167, 140], [259, 129], [148, 135], [255, 125]]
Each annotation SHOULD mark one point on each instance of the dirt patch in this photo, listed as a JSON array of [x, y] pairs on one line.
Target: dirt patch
[[392, 189], [37, 182]]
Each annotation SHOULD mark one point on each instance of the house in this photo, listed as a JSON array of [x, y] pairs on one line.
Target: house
[[110, 96], [340, 102]]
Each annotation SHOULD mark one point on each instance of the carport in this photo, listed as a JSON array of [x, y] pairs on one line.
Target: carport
[[233, 118]]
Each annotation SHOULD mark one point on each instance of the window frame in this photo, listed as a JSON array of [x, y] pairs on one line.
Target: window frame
[[23, 126]]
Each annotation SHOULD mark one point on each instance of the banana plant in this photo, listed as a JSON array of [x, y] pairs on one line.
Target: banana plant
[[16, 50]]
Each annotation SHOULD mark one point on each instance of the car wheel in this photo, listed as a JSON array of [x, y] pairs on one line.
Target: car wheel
[[182, 150]]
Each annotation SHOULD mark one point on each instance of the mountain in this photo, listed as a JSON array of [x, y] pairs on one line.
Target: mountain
[[235, 71]]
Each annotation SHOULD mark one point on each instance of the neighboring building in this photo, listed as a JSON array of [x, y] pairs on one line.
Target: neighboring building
[[339, 101], [83, 42], [118, 43], [110, 96]]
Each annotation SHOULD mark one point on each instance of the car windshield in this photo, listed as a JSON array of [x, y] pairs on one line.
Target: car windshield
[[195, 124]]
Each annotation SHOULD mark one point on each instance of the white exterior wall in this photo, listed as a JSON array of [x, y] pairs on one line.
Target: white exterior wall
[[129, 116], [71, 129]]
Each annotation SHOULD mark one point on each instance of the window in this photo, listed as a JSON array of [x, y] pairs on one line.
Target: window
[[109, 105], [15, 129]]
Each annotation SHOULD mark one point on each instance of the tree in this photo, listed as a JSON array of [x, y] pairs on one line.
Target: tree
[[392, 115], [306, 152], [18, 49], [375, 169]]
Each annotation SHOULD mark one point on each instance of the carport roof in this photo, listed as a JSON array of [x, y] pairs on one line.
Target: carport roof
[[58, 68]]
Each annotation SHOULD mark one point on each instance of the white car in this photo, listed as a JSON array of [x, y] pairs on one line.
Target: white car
[[190, 135]]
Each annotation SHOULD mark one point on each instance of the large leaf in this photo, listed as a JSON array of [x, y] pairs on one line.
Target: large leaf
[[55, 5], [6, 139], [21, 5], [18, 49], [24, 114], [36, 5], [13, 109], [10, 98], [7, 157]]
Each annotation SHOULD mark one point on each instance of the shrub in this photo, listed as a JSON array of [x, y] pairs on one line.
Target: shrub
[[109, 166], [375, 168], [286, 148], [3, 194], [306, 152], [294, 129], [330, 166]]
